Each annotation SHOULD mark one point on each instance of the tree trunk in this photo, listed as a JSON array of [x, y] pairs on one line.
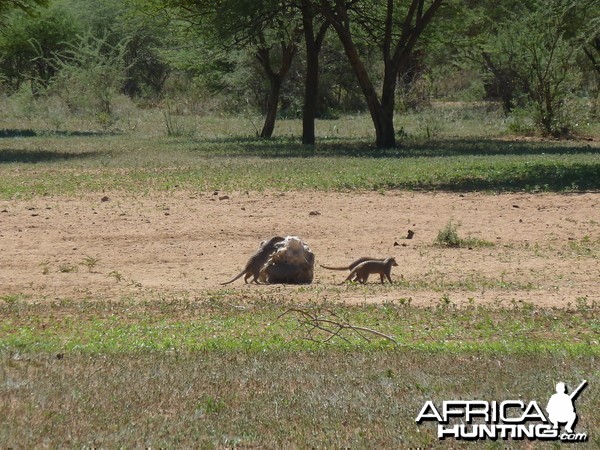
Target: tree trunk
[[311, 80], [311, 96], [288, 50], [382, 117], [311, 84], [272, 104], [415, 21]]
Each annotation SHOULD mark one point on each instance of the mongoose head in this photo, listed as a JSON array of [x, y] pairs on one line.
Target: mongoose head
[[392, 261]]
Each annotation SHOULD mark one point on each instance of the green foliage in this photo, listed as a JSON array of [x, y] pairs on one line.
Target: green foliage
[[531, 55], [90, 74], [27, 6], [28, 43], [201, 56], [448, 237]]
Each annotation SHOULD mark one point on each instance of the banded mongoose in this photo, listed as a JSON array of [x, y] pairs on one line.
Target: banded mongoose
[[366, 268], [258, 260], [353, 264]]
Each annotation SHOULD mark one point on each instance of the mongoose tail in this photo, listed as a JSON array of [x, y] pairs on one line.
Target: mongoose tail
[[243, 272], [353, 264], [335, 268], [257, 260]]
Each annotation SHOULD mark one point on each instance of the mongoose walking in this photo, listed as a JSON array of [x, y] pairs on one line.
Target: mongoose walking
[[257, 261], [366, 268], [353, 264]]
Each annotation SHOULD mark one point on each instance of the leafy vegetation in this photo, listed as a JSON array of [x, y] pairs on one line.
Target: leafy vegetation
[[538, 59], [448, 237]]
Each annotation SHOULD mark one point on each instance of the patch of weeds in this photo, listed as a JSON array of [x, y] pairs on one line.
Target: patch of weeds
[[445, 301], [448, 237], [12, 299], [45, 265], [67, 268], [118, 276], [90, 262], [581, 303], [210, 405], [585, 247]]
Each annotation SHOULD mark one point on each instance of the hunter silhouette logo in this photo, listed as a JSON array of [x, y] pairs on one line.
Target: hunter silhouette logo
[[560, 406], [509, 419]]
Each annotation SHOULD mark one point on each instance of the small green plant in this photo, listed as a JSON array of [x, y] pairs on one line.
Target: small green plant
[[90, 262], [175, 126], [448, 237], [581, 303], [445, 301], [118, 276], [210, 406], [10, 299], [67, 268]]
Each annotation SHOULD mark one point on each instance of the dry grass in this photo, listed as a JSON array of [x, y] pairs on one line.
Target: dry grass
[[220, 373], [273, 399]]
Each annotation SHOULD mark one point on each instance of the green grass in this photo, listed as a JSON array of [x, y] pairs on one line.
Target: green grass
[[307, 399], [38, 164], [185, 325], [448, 237], [221, 372]]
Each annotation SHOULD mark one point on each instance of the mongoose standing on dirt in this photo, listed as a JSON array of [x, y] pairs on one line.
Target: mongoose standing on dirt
[[353, 264], [258, 260], [366, 268]]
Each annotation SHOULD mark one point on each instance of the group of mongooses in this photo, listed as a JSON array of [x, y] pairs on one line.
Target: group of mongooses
[[359, 269], [258, 260]]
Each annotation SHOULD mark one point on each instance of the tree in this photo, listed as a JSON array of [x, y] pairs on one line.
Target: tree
[[29, 41], [267, 28], [288, 49], [533, 53], [145, 36], [314, 35], [396, 30], [28, 6]]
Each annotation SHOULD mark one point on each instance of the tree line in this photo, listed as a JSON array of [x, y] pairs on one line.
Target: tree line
[[310, 58]]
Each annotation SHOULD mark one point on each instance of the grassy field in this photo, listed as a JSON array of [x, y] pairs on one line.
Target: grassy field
[[232, 368], [465, 154], [229, 372]]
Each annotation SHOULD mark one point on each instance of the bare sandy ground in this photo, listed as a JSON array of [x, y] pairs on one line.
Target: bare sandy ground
[[546, 246]]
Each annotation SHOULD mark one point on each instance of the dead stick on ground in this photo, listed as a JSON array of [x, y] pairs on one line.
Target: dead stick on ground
[[337, 323]]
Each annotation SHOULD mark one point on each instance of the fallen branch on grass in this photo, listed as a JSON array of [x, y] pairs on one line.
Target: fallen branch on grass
[[331, 325]]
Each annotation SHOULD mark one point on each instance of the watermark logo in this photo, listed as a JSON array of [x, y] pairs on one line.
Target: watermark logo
[[509, 419]]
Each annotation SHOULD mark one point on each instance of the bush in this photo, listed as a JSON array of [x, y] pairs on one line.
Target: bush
[[89, 75]]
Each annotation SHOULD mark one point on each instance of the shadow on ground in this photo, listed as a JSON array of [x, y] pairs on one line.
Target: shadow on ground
[[559, 177], [16, 133], [40, 156], [290, 148]]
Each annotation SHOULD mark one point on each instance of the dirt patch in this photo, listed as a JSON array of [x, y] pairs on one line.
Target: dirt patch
[[546, 246]]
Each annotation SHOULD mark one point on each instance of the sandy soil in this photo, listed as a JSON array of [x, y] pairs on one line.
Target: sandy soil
[[186, 243]]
